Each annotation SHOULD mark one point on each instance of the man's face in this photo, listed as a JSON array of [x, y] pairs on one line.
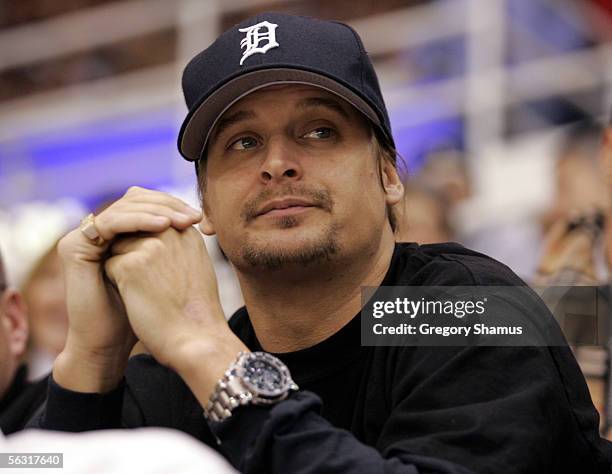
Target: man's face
[[292, 178]]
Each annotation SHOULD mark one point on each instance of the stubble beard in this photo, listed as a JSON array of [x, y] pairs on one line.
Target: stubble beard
[[266, 255]]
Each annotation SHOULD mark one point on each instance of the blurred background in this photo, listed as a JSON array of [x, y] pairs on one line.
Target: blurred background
[[497, 107]]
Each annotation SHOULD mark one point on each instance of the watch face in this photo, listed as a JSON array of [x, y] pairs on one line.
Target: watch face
[[265, 375]]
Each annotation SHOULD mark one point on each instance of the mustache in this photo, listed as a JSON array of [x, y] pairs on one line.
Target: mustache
[[318, 197]]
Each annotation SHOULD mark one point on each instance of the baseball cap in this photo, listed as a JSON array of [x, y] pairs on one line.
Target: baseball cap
[[277, 48]]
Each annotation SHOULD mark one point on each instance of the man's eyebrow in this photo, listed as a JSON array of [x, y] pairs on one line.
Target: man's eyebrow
[[323, 102], [231, 119], [309, 102]]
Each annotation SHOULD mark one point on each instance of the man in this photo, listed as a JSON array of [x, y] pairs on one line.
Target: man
[[296, 167], [19, 399]]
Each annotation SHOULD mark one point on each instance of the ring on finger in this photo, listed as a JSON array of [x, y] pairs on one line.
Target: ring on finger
[[89, 230]]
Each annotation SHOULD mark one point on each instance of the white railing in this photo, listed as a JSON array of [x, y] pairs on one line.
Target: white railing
[[481, 95]]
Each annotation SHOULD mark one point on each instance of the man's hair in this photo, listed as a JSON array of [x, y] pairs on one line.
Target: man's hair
[[384, 152]]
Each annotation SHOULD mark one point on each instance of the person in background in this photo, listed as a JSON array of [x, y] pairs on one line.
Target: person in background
[[573, 251], [573, 246], [580, 189], [44, 295], [445, 173], [423, 216], [606, 165], [19, 399]]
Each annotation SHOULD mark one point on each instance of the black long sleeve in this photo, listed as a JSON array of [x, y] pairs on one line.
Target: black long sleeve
[[290, 437], [76, 412], [293, 437]]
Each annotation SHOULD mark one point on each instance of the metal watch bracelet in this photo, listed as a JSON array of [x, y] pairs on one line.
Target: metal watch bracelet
[[246, 382], [228, 395]]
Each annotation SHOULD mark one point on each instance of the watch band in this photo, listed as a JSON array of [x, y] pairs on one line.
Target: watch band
[[232, 391], [228, 395]]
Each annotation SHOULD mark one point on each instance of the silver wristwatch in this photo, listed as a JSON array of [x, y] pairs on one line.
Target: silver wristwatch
[[256, 377]]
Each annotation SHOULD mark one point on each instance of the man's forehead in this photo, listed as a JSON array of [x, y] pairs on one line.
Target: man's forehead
[[297, 92]]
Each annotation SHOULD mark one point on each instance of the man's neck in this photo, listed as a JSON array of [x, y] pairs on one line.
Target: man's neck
[[289, 314]]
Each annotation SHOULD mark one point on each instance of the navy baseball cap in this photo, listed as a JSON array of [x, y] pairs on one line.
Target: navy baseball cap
[[276, 48]]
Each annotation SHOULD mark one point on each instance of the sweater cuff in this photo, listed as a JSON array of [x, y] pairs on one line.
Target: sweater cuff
[[77, 411]]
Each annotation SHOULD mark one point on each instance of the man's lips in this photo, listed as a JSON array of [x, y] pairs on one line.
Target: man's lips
[[286, 206]]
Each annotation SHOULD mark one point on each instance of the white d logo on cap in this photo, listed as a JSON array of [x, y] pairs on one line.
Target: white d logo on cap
[[255, 35]]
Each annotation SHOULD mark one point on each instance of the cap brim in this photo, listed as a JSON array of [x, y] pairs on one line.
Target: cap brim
[[199, 124]]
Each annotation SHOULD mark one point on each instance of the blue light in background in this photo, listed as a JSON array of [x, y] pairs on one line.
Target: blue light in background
[[416, 143], [559, 32], [109, 155], [91, 144]]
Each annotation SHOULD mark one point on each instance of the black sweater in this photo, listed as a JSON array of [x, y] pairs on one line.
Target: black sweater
[[381, 409]]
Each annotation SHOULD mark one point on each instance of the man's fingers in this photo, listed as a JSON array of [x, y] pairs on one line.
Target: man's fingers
[[177, 216], [144, 210], [110, 225], [141, 195], [110, 266], [179, 219], [123, 245], [141, 218]]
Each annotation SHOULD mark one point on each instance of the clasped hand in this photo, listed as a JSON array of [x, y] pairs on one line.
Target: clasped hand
[[152, 280]]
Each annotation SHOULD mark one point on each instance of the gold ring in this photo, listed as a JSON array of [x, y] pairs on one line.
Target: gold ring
[[89, 229]]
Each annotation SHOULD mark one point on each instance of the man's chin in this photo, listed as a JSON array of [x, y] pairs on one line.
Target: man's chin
[[284, 250]]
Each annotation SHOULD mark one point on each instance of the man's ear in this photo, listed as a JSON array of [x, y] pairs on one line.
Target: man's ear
[[392, 184], [206, 225], [14, 317]]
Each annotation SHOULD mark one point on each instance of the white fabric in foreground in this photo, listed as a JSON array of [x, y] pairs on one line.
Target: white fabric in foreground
[[135, 451]]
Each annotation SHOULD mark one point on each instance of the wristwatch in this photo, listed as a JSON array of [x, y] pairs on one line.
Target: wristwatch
[[255, 377]]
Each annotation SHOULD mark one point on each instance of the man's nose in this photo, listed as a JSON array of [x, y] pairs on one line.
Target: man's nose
[[281, 161]]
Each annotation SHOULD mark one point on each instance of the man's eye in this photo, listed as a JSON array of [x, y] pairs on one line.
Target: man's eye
[[243, 143], [320, 132]]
